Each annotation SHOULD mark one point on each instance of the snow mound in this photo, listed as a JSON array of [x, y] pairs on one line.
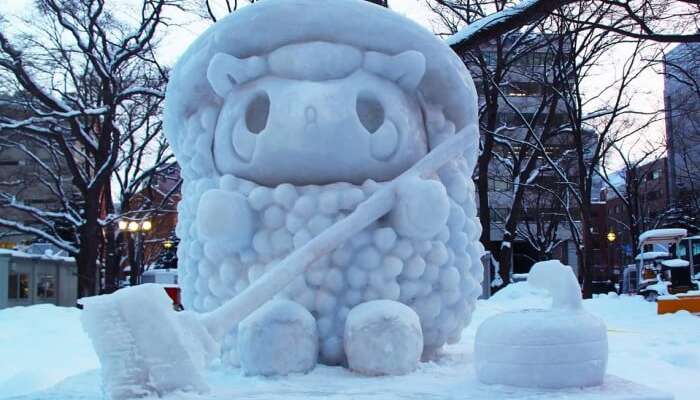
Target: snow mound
[[36, 342], [277, 339], [383, 337]]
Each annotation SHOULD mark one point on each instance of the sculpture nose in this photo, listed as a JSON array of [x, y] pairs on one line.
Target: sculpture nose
[[310, 113]]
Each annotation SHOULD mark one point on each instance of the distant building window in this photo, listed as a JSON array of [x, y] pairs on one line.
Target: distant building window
[[522, 89], [654, 195], [46, 287], [11, 162], [499, 185], [18, 286], [654, 175]]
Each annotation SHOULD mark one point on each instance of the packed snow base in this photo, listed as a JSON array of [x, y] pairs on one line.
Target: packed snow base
[[48, 347], [284, 134]]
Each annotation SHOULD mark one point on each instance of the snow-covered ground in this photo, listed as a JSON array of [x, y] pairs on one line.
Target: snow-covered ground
[[42, 346]]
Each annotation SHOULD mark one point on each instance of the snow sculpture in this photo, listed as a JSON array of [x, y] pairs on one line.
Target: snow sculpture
[[383, 337], [283, 133], [277, 339], [144, 347], [557, 348]]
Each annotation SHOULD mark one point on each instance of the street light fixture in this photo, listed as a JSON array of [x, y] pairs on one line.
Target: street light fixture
[[146, 225], [168, 244], [133, 226], [122, 224], [611, 236]]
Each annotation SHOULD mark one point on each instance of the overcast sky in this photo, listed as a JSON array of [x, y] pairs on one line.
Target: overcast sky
[[187, 27]]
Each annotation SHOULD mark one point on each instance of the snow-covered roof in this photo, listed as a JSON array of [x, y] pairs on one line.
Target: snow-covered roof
[[676, 262], [651, 255], [17, 253], [662, 236]]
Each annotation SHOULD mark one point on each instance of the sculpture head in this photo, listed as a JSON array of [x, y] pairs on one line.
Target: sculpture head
[[317, 113], [322, 92]]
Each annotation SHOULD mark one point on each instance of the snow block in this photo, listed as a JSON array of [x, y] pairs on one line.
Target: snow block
[[278, 339], [383, 337], [144, 346], [542, 349], [559, 348]]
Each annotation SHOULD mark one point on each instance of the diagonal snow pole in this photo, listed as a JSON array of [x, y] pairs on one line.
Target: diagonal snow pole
[[220, 321], [146, 348]]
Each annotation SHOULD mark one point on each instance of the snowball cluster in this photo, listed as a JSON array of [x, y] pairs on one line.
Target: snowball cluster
[[437, 277]]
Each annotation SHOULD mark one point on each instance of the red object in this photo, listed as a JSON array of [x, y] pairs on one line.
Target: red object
[[174, 293]]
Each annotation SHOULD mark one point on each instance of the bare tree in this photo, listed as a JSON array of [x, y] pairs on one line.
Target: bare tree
[[89, 83], [656, 20]]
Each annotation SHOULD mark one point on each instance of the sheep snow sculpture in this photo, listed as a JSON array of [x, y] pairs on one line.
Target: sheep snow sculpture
[[282, 133]]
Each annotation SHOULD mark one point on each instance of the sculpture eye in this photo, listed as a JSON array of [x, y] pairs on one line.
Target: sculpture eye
[[370, 111], [258, 112]]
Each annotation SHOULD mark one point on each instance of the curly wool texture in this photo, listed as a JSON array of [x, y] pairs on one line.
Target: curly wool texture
[[439, 278]]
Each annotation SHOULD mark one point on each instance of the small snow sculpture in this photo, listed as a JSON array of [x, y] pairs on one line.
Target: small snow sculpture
[[383, 337], [557, 348], [282, 134], [277, 339], [144, 347]]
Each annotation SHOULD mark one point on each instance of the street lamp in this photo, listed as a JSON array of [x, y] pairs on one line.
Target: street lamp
[[137, 228], [611, 236], [168, 244]]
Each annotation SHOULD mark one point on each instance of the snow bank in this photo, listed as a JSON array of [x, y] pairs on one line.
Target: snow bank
[[40, 346], [660, 351]]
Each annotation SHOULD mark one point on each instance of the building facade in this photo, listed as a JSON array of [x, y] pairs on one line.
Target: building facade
[[682, 108]]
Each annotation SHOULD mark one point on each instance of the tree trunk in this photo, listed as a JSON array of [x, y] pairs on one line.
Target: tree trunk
[[88, 253], [586, 254]]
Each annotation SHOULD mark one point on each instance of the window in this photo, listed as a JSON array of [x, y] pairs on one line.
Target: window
[[522, 89], [654, 175], [654, 195], [18, 286], [9, 162], [499, 185], [46, 287]]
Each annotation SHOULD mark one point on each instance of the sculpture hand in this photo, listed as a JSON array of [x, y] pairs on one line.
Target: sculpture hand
[[422, 208]]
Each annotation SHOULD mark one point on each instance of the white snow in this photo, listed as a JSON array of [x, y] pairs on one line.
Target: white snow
[[676, 262], [279, 338], [660, 351], [555, 348], [662, 236], [559, 280], [652, 255], [383, 337]]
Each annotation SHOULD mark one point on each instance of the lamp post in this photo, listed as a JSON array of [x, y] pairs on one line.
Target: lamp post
[[611, 236], [134, 231]]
